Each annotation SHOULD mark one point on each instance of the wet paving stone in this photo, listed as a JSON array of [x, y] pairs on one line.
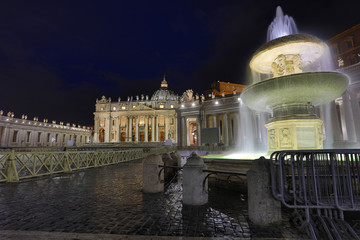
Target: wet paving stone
[[110, 200]]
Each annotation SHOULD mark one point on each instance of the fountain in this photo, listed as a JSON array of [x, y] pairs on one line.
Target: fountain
[[298, 84]]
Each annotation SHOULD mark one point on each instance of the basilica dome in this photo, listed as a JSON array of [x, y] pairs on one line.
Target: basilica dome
[[164, 94]]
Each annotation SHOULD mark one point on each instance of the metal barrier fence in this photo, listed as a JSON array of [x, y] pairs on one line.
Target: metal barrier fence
[[20, 165], [320, 185]]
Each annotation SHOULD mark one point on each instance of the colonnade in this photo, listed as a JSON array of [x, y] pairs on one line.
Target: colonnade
[[341, 118], [227, 122], [10, 136], [138, 128]]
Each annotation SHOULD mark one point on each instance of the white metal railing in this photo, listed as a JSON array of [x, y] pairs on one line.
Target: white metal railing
[[20, 165]]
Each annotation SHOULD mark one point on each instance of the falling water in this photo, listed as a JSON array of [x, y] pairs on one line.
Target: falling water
[[252, 137], [281, 26]]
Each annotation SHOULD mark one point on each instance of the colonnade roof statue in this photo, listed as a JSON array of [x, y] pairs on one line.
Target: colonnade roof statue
[[298, 83]]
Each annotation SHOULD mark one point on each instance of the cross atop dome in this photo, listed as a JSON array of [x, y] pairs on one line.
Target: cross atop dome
[[164, 84]]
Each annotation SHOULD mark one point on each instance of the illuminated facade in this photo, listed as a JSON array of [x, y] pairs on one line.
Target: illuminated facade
[[224, 88], [137, 120], [218, 112], [15, 132], [346, 52]]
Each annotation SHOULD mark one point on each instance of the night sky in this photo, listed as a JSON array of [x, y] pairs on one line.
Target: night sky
[[57, 57]]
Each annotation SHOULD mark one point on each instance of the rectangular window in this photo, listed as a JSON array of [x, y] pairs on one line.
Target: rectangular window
[[15, 136], [48, 137], [39, 137], [171, 106], [123, 107], [113, 122], [28, 136], [56, 137], [348, 44], [161, 105]]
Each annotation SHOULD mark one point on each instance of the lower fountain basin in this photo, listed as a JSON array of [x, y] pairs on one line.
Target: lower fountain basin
[[313, 88]]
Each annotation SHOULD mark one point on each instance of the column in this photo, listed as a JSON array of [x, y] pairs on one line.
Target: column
[[137, 129], [130, 129], [152, 128], [349, 118], [107, 129], [182, 132], [176, 128], [146, 128], [166, 127], [157, 128], [236, 127], [340, 103], [214, 120], [226, 129], [203, 120], [127, 130], [355, 109], [198, 130], [5, 137], [117, 129]]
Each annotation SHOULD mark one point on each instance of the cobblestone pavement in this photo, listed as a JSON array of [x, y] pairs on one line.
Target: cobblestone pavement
[[109, 200]]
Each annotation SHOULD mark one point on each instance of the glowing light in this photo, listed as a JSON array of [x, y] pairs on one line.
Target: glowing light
[[193, 104], [182, 105], [216, 103]]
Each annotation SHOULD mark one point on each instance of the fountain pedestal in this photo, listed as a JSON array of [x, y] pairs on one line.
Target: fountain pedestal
[[295, 134]]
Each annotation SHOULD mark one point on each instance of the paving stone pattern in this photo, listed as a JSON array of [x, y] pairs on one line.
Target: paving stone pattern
[[109, 200]]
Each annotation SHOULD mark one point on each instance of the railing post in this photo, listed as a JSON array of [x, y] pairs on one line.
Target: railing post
[[11, 172], [195, 192], [262, 206], [153, 179], [67, 167]]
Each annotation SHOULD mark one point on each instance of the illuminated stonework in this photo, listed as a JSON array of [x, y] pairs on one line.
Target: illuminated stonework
[[295, 134], [291, 94]]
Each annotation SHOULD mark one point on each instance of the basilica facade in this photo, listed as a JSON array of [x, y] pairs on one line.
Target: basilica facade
[[139, 119]]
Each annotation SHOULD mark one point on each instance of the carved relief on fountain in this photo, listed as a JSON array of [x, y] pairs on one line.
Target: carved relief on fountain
[[272, 139], [285, 138], [286, 64]]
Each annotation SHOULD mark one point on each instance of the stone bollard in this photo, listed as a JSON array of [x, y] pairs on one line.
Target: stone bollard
[[194, 192], [262, 206], [152, 183]]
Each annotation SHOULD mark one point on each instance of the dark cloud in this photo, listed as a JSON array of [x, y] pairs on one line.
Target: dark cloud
[[57, 57]]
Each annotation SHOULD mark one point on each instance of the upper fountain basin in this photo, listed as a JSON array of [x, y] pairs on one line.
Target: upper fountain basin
[[312, 87], [307, 46]]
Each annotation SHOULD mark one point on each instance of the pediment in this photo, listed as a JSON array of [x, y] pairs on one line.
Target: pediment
[[141, 107]]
